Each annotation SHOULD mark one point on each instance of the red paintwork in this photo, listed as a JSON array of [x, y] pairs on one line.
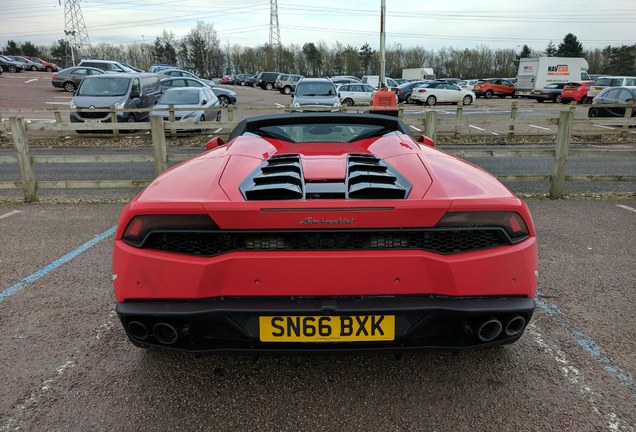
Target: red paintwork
[[576, 93], [210, 182]]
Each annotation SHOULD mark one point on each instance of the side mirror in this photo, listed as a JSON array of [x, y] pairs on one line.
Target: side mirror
[[204, 102], [214, 143], [292, 94], [425, 140]]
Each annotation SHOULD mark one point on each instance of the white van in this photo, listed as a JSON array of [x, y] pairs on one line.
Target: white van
[[374, 81], [603, 82]]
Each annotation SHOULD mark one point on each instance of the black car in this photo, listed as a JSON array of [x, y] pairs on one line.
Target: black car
[[404, 91], [267, 80], [551, 92], [620, 96], [9, 65]]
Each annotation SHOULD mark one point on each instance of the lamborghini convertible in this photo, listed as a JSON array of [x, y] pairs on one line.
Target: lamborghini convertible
[[324, 232]]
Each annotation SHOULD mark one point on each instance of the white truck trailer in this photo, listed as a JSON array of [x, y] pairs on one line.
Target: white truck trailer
[[418, 74], [536, 73]]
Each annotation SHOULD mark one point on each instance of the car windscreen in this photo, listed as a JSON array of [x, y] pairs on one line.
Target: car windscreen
[[179, 97], [315, 89], [324, 132], [113, 86]]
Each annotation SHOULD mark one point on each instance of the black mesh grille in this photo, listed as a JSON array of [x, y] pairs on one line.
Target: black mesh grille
[[93, 115], [212, 243]]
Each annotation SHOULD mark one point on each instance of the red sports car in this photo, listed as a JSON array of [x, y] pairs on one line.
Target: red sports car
[[324, 232]]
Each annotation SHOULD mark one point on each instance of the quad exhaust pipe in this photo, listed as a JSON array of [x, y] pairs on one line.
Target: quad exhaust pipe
[[163, 332], [488, 329], [515, 326]]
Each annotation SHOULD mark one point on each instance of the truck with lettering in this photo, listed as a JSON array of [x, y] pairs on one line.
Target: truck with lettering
[[537, 72]]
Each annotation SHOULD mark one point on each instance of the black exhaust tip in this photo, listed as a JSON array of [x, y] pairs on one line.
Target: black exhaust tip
[[165, 333], [138, 330], [515, 325], [488, 329]]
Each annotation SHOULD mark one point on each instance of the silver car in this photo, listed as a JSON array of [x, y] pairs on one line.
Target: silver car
[[315, 92], [192, 104]]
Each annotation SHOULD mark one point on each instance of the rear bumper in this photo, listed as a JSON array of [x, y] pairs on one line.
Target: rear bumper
[[231, 325]]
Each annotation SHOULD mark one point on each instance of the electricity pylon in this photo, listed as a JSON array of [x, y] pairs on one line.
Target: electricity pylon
[[274, 30], [74, 27]]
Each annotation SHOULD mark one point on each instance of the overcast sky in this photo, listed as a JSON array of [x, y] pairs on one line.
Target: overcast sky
[[425, 23]]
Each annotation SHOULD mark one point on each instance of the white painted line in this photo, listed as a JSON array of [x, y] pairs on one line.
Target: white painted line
[[494, 133], [279, 105], [63, 97], [618, 205], [218, 130], [475, 127], [6, 215], [417, 129], [539, 127], [59, 103], [31, 80], [604, 127], [576, 378]]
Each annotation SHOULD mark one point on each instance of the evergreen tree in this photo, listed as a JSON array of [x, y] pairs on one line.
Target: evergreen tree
[[622, 60], [551, 50], [366, 54], [29, 49], [570, 47], [11, 48]]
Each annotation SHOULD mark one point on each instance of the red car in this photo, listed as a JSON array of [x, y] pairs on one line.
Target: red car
[[494, 87], [576, 91], [324, 232]]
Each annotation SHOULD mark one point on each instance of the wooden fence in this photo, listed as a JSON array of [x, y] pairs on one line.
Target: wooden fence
[[29, 185]]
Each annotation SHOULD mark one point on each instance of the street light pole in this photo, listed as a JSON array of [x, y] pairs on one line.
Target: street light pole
[[382, 43]]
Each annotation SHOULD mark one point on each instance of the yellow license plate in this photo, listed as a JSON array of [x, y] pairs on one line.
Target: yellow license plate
[[327, 328]]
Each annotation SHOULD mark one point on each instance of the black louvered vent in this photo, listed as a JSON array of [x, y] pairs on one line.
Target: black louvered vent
[[368, 177], [278, 178]]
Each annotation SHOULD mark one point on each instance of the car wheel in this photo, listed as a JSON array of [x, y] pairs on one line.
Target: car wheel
[[12, 69], [242, 83], [34, 68], [431, 100], [287, 90], [467, 100], [49, 69], [69, 86], [224, 101], [269, 86], [488, 94], [254, 85], [408, 100], [593, 112], [348, 102], [557, 99]]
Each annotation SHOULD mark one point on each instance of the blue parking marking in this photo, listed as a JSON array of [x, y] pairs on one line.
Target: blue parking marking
[[589, 345], [55, 264]]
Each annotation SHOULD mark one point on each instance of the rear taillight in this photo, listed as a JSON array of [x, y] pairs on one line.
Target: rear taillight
[[140, 226], [512, 223]]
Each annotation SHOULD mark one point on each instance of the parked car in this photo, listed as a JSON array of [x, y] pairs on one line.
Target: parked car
[[450, 80], [374, 81], [225, 96], [191, 104], [404, 91], [613, 96], [28, 63], [315, 92], [355, 94], [267, 80], [603, 82], [115, 90], [106, 65], [340, 81], [161, 66], [70, 78], [171, 73], [286, 83], [48, 66], [467, 84], [241, 79], [251, 81], [576, 91], [9, 65], [551, 92], [313, 232], [435, 92], [494, 87]]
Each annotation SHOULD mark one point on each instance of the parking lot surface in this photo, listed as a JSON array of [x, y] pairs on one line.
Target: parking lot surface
[[66, 364]]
